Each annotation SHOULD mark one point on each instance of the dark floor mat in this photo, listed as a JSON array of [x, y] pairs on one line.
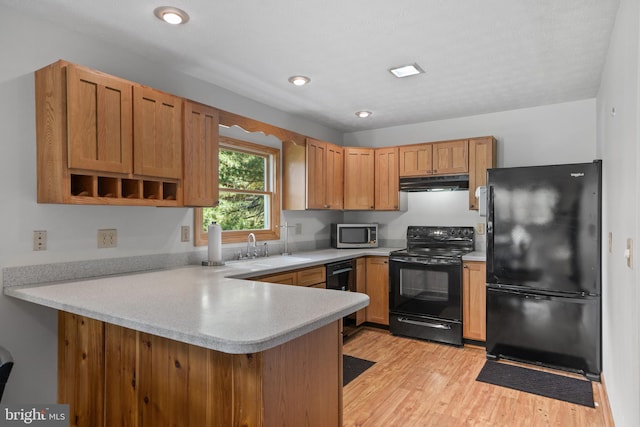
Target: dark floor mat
[[352, 367], [538, 382]]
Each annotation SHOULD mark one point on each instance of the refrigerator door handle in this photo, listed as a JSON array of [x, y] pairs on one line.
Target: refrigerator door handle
[[489, 261]]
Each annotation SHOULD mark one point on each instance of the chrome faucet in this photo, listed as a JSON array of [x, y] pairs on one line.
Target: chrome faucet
[[251, 243]]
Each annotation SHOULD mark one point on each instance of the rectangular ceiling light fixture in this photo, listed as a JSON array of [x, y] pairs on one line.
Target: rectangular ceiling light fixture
[[406, 70]]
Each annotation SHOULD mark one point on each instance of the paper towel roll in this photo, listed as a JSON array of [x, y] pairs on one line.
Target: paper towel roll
[[214, 233]]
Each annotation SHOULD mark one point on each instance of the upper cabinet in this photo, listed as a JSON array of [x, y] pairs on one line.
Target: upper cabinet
[[482, 156], [324, 175], [157, 133], [200, 180], [99, 112], [435, 158], [387, 192], [105, 140], [416, 160], [450, 157], [359, 178]]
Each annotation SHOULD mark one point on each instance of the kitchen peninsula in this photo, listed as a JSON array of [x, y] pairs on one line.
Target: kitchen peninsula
[[199, 346]]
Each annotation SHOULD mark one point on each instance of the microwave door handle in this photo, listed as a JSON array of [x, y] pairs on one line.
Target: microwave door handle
[[369, 234]]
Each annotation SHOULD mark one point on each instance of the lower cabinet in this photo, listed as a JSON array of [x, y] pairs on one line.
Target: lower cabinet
[[474, 305], [377, 287], [313, 277], [114, 376]]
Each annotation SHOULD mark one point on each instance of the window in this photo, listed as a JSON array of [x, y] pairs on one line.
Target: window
[[249, 201]]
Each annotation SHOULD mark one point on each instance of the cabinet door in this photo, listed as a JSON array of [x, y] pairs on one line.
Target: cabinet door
[[359, 166], [334, 177], [378, 290], [416, 160], [316, 174], [386, 179], [450, 157], [474, 301], [482, 156], [99, 120], [361, 286], [200, 181], [157, 133]]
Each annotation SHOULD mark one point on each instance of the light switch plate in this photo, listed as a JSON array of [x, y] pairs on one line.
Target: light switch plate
[[628, 253], [480, 228], [184, 233]]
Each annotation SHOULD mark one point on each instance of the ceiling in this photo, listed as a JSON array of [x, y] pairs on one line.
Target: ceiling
[[479, 56]]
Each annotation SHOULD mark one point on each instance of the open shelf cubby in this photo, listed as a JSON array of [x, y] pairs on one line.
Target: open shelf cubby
[[82, 185], [131, 188], [108, 187], [169, 191], [152, 190]]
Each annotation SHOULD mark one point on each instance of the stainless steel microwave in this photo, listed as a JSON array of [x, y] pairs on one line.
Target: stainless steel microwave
[[345, 236]]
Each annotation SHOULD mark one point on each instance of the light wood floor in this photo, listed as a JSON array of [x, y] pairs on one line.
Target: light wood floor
[[418, 383]]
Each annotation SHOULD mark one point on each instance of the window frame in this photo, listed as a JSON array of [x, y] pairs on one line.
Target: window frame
[[273, 169]]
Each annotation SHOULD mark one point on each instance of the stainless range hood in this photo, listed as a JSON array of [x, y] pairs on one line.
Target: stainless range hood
[[434, 183]]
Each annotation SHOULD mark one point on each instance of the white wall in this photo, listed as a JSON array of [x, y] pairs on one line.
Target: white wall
[[551, 134], [618, 139], [28, 331]]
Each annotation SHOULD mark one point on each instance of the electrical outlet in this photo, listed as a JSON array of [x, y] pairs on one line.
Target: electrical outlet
[[628, 253], [107, 238], [40, 240], [480, 228], [298, 228], [184, 233]]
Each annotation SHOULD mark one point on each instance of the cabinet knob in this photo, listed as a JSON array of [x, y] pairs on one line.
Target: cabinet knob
[[435, 171], [370, 207], [327, 206]]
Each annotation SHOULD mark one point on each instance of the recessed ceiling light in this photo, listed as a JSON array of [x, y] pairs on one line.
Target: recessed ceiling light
[[299, 80], [363, 114], [171, 15], [406, 70]]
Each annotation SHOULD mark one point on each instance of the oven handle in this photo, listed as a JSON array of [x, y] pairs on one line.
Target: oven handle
[[342, 270], [428, 324], [452, 262]]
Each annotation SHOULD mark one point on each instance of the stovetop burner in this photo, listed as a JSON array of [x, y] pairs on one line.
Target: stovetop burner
[[437, 242]]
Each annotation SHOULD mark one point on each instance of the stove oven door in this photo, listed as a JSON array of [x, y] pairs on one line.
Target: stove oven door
[[425, 299]]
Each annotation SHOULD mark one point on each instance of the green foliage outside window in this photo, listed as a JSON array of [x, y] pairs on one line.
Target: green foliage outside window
[[240, 210]]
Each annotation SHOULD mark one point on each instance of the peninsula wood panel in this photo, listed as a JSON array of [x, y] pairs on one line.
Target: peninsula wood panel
[[114, 376], [99, 115], [200, 166], [157, 133], [81, 362], [361, 286], [359, 168], [474, 301], [451, 157]]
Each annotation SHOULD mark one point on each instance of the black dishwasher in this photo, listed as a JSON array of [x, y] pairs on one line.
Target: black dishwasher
[[341, 276]]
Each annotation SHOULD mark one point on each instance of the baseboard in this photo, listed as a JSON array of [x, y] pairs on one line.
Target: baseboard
[[604, 403]]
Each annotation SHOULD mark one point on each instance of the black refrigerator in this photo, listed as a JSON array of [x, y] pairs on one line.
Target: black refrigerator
[[544, 266]]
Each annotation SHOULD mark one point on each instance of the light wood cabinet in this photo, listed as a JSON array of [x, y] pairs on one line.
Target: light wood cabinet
[[115, 376], [377, 288], [482, 156], [361, 286], [451, 157], [99, 120], [200, 177], [359, 171], [416, 160], [157, 133], [314, 277], [324, 175], [474, 301], [99, 141], [387, 179]]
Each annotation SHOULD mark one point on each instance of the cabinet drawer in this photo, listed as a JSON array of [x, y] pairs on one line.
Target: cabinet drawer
[[284, 278], [312, 276]]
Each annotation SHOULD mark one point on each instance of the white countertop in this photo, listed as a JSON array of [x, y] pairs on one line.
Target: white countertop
[[209, 306], [475, 256]]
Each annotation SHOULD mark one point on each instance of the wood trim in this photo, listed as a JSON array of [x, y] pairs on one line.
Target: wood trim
[[603, 398], [231, 119]]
